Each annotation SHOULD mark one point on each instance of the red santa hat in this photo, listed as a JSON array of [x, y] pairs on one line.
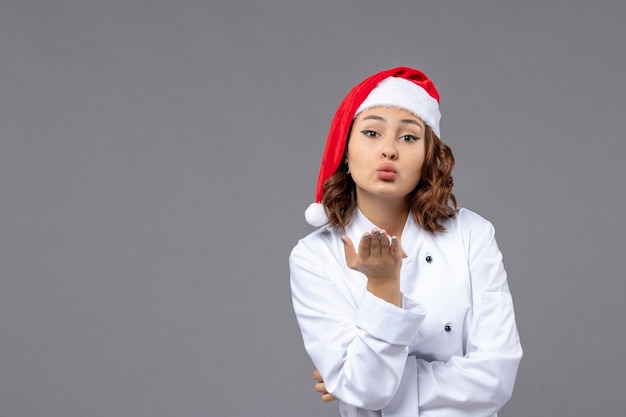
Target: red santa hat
[[400, 87]]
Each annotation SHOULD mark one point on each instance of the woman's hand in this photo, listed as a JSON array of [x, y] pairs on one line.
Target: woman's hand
[[380, 259], [321, 388]]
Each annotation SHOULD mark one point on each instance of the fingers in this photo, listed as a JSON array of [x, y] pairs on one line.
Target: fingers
[[381, 243], [365, 245], [384, 241], [350, 253], [376, 249], [321, 388], [395, 247], [376, 242], [317, 376], [328, 397]]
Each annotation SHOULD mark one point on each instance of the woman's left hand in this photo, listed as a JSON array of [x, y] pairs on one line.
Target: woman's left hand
[[380, 259], [321, 388]]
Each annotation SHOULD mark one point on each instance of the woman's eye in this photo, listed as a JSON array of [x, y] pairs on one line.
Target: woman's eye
[[409, 138], [370, 133]]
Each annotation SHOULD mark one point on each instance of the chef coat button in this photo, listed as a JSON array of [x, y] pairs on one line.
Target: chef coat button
[[447, 328], [429, 259]]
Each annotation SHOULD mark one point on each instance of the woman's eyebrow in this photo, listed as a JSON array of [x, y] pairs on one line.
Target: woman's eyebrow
[[411, 121], [404, 121], [374, 117]]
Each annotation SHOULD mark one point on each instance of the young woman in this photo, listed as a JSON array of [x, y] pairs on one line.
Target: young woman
[[401, 297]]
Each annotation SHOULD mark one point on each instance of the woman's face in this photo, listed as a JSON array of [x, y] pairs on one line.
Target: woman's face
[[386, 153]]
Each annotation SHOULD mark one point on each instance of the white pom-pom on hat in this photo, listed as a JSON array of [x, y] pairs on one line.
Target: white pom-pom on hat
[[315, 215]]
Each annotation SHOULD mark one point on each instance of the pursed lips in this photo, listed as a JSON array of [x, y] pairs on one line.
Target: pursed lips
[[387, 168], [386, 172]]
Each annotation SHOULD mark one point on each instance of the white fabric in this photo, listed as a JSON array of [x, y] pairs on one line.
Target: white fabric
[[382, 360], [404, 94], [315, 215]]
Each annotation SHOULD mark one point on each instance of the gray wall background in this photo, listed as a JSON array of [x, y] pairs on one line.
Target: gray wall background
[[156, 158]]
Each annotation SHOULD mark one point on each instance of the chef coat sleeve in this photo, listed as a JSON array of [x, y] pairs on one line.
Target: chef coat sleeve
[[480, 382], [360, 347]]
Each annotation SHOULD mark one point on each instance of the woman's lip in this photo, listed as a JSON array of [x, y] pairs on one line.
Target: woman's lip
[[386, 175], [387, 168], [386, 172]]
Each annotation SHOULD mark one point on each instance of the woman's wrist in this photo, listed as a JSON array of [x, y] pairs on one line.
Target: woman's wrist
[[386, 290]]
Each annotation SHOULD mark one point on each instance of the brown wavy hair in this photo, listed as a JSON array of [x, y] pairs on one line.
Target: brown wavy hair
[[430, 201]]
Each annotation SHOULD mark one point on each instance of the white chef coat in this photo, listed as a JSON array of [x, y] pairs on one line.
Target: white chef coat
[[452, 349]]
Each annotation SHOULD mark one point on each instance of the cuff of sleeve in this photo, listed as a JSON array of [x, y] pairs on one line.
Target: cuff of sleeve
[[387, 322]]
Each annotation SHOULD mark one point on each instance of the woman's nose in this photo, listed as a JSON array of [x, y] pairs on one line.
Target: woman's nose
[[388, 148]]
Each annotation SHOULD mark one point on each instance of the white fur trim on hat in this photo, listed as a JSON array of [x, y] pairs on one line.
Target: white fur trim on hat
[[404, 94], [315, 215]]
